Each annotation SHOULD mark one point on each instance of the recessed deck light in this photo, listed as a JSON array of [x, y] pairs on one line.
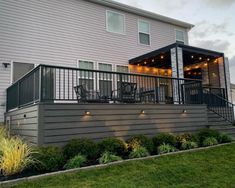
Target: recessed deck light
[[87, 113]]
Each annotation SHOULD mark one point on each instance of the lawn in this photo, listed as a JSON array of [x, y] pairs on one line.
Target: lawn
[[213, 167]]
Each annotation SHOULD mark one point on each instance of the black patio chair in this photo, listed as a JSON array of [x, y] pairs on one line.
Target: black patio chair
[[125, 93], [85, 95]]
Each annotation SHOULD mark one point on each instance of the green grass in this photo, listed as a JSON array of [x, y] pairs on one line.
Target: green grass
[[213, 167]]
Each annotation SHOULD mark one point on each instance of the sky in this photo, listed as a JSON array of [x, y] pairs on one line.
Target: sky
[[214, 22]]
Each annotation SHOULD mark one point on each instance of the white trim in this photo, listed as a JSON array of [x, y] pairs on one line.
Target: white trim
[[183, 35], [141, 12], [124, 22], [141, 20], [11, 79]]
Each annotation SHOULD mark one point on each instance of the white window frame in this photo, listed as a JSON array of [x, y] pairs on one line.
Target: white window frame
[[123, 66], [141, 20], [183, 35], [124, 22], [94, 64], [98, 78]]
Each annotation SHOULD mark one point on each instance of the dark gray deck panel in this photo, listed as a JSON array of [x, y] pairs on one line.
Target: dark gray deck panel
[[24, 122], [47, 124], [62, 122]]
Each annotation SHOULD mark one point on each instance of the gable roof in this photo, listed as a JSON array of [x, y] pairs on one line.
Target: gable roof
[[141, 12]]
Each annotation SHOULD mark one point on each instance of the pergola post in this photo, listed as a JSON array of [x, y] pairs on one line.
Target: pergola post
[[177, 72]]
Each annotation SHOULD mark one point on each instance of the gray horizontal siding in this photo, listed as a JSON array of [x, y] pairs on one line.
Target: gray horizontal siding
[[60, 32], [26, 127], [62, 122], [4, 83]]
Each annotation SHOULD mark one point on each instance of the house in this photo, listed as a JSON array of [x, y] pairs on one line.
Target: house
[[64, 65], [233, 92]]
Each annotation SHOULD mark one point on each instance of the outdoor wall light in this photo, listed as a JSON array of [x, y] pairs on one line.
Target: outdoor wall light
[[6, 64], [87, 113], [142, 112], [184, 111]]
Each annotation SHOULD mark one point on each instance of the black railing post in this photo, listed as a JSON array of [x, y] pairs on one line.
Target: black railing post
[[40, 83], [18, 94]]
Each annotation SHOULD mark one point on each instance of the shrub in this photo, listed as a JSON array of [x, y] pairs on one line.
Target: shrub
[[49, 158], [188, 145], [164, 138], [140, 140], [165, 148], [186, 137], [3, 132], [75, 162], [224, 138], [108, 157], [139, 152], [15, 156], [81, 146], [113, 145], [210, 141], [206, 133]]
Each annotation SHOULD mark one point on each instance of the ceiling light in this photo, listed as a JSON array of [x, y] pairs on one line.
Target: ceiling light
[[87, 113]]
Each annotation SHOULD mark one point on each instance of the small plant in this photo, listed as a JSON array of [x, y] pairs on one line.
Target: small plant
[[15, 156], [210, 141], [207, 133], [81, 146], [139, 152], [75, 162], [224, 138], [108, 157], [188, 145], [165, 148], [186, 137], [164, 138], [140, 140], [49, 158], [113, 145]]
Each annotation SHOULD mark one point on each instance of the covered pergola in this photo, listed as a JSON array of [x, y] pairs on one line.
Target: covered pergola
[[182, 61]]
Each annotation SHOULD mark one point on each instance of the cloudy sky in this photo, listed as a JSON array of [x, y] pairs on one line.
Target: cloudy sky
[[214, 22]]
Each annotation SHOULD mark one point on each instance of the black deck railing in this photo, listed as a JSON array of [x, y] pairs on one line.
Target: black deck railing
[[218, 105], [62, 84]]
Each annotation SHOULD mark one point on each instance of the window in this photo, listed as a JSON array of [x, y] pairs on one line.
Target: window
[[105, 80], [20, 69], [115, 22], [122, 68], [179, 36], [86, 77], [144, 32]]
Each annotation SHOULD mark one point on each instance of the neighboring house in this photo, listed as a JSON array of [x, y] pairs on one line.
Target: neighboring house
[[98, 35], [233, 92]]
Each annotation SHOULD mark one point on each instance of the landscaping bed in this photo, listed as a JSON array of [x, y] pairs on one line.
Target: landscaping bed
[[20, 160]]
